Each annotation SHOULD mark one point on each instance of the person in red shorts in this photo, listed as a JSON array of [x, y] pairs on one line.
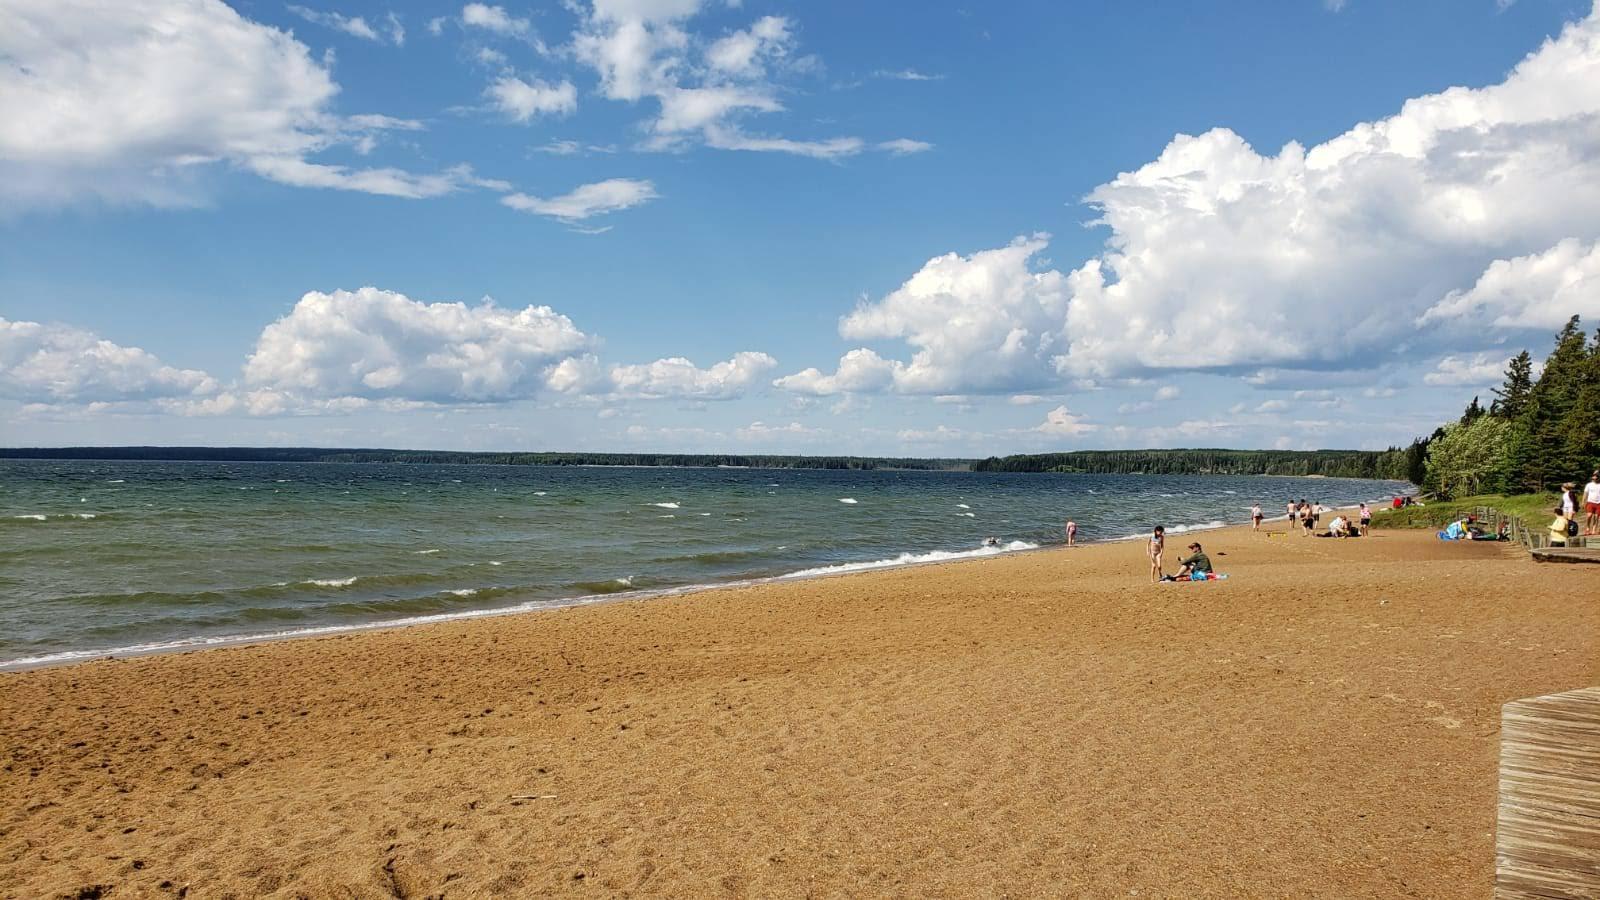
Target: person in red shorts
[[1591, 505]]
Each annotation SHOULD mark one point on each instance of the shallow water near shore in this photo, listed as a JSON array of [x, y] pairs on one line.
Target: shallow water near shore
[[101, 557]]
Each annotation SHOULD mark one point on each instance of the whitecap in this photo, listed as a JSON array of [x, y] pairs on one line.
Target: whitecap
[[968, 515], [540, 493], [667, 516], [331, 582], [907, 559], [117, 481], [666, 505], [705, 514], [463, 592], [962, 506], [425, 552], [34, 516], [496, 562], [847, 500], [83, 515]]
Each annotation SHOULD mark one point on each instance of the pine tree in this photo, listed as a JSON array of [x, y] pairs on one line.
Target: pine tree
[[1539, 454], [1580, 430], [1512, 397], [1473, 413]]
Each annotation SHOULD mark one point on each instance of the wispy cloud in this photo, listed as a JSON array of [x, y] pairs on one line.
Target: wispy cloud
[[587, 200], [392, 32], [904, 146], [906, 75]]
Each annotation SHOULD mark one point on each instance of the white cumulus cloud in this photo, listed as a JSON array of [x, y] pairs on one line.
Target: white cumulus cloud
[[1310, 260], [859, 370], [1060, 422], [677, 377], [135, 101], [380, 344], [522, 100], [493, 18], [985, 322], [53, 364], [1540, 290], [1477, 369]]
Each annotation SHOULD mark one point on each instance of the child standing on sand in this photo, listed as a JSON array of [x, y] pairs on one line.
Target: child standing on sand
[[1255, 517], [1366, 519], [1158, 543]]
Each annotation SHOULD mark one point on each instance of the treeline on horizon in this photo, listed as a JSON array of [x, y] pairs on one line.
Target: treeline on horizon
[[1536, 434], [1395, 463], [435, 457]]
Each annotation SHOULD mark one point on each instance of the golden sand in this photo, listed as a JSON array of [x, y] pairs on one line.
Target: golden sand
[[1324, 723]]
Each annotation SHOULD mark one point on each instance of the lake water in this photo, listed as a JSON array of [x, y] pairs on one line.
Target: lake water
[[126, 557]]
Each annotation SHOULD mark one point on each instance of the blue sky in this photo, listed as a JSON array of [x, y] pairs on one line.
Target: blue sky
[[917, 228]]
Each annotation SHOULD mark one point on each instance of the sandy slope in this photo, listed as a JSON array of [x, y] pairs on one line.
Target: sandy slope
[[1322, 724]]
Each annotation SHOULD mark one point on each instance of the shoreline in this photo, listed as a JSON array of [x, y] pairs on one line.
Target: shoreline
[[311, 632]]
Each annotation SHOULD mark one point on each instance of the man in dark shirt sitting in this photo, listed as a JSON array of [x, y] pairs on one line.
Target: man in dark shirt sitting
[[1196, 561]]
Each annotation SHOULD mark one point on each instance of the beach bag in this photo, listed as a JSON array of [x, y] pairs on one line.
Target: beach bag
[[1572, 528]]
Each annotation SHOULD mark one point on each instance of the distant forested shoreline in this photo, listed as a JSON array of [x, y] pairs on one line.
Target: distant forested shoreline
[[435, 457], [1395, 463]]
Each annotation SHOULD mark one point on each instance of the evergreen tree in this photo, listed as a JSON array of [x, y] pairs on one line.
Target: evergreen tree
[[1474, 411], [1540, 449], [1512, 397], [1580, 432]]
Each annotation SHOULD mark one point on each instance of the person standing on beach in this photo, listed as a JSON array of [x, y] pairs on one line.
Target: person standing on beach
[[1308, 523], [1288, 513], [1158, 543], [1255, 517], [1072, 533], [1366, 519], [1591, 505]]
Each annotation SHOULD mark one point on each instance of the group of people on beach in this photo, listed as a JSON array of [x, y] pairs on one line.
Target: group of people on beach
[[1565, 527], [1308, 515]]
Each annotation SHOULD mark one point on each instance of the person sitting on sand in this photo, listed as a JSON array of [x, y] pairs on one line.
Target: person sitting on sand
[[1158, 543], [1196, 561]]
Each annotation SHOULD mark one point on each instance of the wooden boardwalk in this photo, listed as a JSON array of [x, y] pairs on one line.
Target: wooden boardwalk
[[1567, 554], [1547, 837]]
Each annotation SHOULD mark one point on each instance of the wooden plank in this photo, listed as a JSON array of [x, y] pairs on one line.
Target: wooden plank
[[1547, 834]]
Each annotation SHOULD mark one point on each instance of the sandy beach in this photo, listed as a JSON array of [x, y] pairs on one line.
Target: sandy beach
[[1324, 723]]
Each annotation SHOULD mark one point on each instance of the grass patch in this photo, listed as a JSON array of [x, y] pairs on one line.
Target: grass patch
[[1533, 509]]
